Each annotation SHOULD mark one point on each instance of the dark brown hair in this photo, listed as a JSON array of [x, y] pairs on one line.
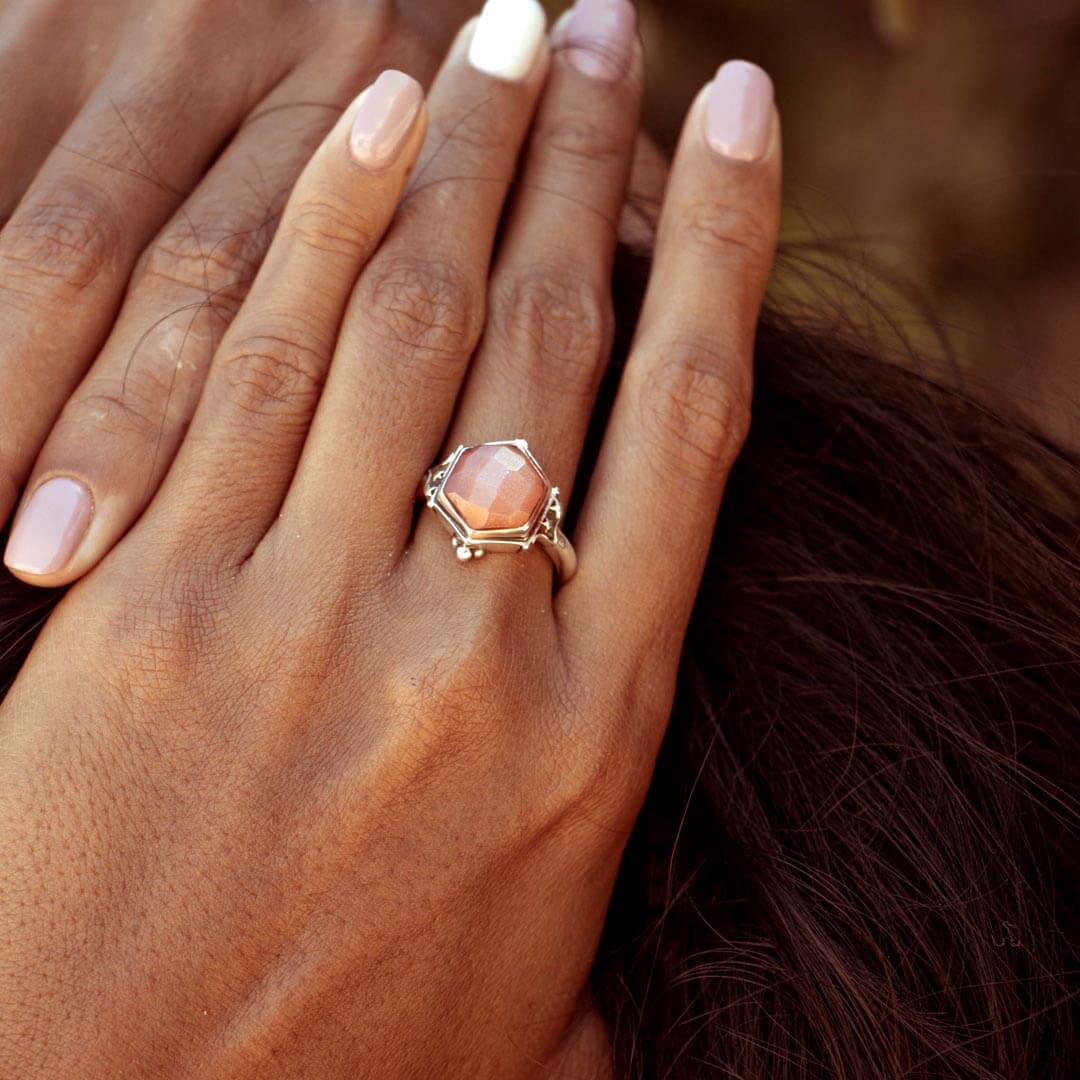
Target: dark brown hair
[[858, 858]]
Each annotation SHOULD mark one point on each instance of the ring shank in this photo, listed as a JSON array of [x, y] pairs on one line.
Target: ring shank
[[561, 552]]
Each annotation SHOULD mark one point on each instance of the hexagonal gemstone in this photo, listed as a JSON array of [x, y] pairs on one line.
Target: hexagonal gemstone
[[495, 487]]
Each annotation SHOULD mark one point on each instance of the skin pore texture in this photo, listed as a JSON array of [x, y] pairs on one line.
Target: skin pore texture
[[267, 810]]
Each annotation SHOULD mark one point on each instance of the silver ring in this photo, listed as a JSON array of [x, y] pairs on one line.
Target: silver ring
[[496, 497]]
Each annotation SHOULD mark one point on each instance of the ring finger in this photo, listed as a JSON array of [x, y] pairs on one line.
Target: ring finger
[[549, 320], [417, 312]]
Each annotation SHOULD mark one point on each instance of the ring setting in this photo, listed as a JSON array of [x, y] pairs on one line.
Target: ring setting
[[495, 497]]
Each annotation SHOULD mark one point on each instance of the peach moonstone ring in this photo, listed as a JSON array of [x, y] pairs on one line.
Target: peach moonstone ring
[[495, 497]]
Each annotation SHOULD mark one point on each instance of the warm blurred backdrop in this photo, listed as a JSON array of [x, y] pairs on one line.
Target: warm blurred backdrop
[[939, 139]]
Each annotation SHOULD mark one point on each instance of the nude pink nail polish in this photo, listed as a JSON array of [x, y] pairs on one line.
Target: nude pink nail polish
[[387, 111], [600, 37], [739, 111], [50, 527]]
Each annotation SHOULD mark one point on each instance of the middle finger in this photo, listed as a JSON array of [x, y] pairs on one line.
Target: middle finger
[[417, 311]]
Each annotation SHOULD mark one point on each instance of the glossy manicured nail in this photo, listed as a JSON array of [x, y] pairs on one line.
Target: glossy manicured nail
[[387, 111], [507, 38], [599, 36], [738, 115], [50, 527]]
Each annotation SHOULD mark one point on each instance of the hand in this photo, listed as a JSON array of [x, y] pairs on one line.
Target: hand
[[285, 791], [148, 148]]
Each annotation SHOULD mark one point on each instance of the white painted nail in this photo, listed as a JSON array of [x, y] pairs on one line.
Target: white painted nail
[[508, 38]]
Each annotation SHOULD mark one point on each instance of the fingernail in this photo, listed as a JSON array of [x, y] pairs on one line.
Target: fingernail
[[507, 38], [387, 111], [50, 527], [738, 116], [600, 37]]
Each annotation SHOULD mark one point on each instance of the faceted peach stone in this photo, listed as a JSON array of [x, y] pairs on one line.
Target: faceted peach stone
[[495, 487]]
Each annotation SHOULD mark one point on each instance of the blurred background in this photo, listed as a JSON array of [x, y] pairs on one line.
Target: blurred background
[[937, 141]]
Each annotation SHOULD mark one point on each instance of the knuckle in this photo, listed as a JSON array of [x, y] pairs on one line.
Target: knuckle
[[426, 311], [726, 230], [219, 261], [152, 393], [449, 696], [555, 327], [447, 709], [164, 625], [475, 133], [276, 372], [600, 779], [579, 143], [133, 407], [329, 226], [455, 685], [694, 411], [61, 241]]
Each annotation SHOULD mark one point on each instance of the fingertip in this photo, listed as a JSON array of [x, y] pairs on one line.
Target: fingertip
[[600, 39], [509, 39], [385, 115], [739, 115], [50, 531], [731, 150]]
